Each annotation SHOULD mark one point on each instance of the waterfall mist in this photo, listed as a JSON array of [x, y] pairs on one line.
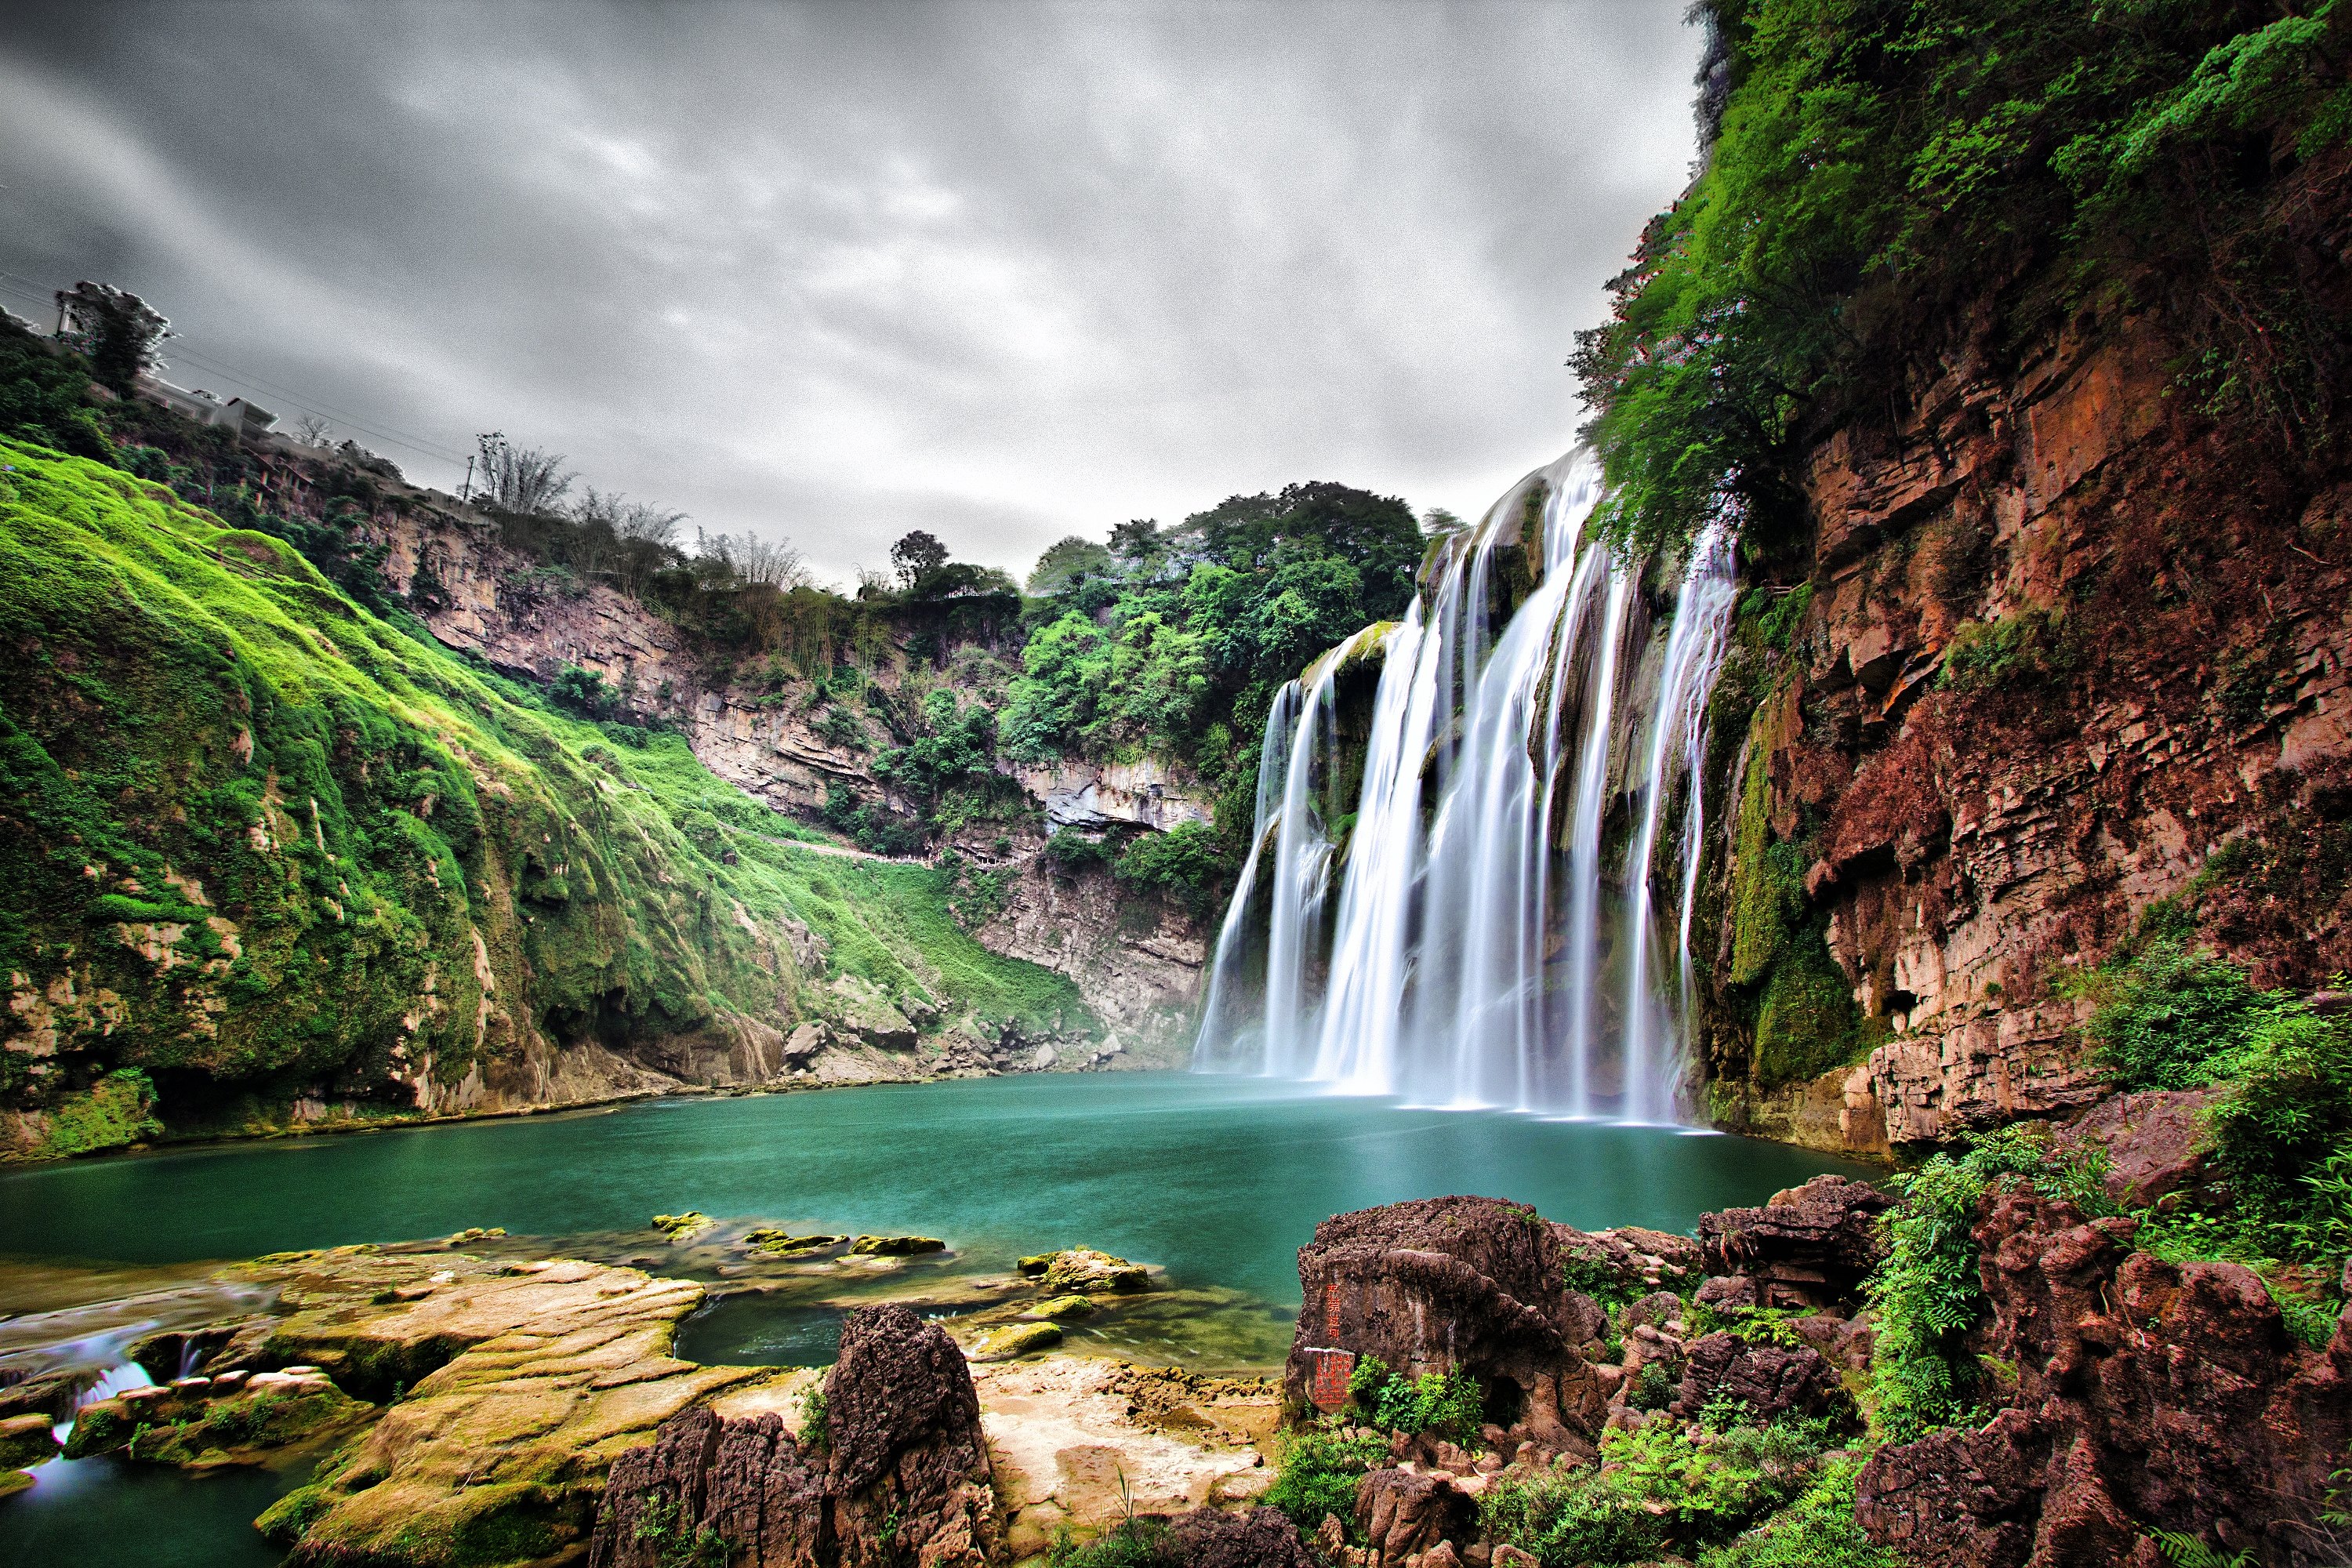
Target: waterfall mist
[[1506, 918]]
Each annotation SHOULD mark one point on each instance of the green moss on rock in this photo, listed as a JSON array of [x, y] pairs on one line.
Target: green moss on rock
[[260, 842]]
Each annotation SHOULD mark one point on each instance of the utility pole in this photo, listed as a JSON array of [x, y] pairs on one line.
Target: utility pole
[[466, 493]]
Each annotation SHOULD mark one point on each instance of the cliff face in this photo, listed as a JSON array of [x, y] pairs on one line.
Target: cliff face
[[268, 858], [1137, 959], [2070, 649]]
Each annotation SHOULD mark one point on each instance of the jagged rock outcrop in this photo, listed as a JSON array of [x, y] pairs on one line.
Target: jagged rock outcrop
[[1809, 1245], [1772, 1381], [1467, 1284], [901, 1476], [2148, 1396], [2065, 642], [1404, 1514], [1258, 1538]]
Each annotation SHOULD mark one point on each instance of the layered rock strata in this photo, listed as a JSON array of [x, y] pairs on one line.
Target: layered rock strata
[[2065, 644]]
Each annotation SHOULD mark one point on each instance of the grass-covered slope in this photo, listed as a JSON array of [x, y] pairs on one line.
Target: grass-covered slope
[[257, 845]]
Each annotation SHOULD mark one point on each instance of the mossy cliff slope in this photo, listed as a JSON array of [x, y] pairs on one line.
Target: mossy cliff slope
[[265, 855]]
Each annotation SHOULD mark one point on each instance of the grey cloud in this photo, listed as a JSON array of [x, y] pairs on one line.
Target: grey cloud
[[1001, 269]]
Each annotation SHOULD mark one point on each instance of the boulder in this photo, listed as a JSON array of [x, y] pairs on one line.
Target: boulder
[[896, 1246], [902, 1476], [866, 1013], [783, 1244], [1260, 1538], [1010, 1340], [1467, 1284], [683, 1226], [1809, 1245], [1083, 1270], [1769, 1380], [1402, 1513], [25, 1440], [2149, 1396], [803, 1043], [2150, 1141], [1730, 1293]]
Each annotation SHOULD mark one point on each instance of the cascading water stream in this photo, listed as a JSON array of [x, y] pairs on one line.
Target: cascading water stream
[[1446, 975], [1677, 745]]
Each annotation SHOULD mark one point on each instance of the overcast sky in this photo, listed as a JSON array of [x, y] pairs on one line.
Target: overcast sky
[[999, 269]]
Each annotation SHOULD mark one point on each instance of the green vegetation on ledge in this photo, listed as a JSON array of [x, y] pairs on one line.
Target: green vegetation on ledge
[[1874, 165]]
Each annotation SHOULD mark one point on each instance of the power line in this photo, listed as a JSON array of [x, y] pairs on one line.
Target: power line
[[303, 402], [309, 405]]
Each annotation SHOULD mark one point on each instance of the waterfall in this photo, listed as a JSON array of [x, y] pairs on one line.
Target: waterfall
[[1449, 969]]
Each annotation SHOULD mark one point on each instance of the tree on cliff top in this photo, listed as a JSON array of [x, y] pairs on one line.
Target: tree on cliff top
[[521, 480], [917, 555]]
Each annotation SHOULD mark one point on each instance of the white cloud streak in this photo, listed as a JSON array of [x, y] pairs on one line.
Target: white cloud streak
[[1001, 269]]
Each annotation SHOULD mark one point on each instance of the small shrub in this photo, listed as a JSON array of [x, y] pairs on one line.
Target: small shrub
[[1817, 1530], [2171, 1015], [1653, 1387], [816, 1431], [1926, 1296], [1985, 656], [1319, 1466], [1663, 1489], [2283, 1138], [581, 691], [1443, 1405], [1183, 861], [1070, 852], [1130, 1544]]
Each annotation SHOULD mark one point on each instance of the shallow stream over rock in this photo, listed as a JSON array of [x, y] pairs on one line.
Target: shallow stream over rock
[[1211, 1183]]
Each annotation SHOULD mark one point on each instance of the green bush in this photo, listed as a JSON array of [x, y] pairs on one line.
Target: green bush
[[2281, 1136], [1130, 1544], [1927, 1295], [1664, 1487], [1183, 861], [1986, 655], [1316, 1473], [1443, 1405], [2171, 1015], [1817, 1530], [1867, 165]]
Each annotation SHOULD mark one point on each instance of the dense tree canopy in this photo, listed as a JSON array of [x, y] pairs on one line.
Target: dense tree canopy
[[1876, 161]]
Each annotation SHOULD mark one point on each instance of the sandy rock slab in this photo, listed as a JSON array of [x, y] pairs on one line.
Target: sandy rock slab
[[1063, 1430], [514, 1386]]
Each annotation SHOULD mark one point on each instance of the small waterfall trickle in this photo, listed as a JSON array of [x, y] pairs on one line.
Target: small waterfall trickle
[[1450, 968], [1677, 746]]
